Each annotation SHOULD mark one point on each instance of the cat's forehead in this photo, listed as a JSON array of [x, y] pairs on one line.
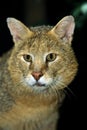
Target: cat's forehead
[[41, 36], [42, 42]]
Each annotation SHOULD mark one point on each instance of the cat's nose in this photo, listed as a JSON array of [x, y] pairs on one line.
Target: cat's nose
[[37, 75]]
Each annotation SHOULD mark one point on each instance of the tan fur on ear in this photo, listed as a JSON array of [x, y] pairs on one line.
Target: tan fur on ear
[[64, 29], [18, 30]]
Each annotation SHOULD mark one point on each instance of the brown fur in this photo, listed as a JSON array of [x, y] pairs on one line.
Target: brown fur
[[23, 104]]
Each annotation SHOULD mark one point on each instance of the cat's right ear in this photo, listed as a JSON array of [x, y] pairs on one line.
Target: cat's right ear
[[18, 30]]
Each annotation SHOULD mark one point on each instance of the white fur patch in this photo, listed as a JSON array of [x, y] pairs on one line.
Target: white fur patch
[[30, 80], [44, 80]]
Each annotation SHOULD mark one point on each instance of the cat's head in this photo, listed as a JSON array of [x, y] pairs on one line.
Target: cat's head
[[42, 57]]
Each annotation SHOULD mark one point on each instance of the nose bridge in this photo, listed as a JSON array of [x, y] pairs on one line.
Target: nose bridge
[[38, 64]]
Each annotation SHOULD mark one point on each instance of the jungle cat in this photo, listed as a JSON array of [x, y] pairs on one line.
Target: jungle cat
[[34, 73]]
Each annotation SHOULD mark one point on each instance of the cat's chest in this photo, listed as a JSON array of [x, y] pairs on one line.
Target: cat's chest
[[23, 117]]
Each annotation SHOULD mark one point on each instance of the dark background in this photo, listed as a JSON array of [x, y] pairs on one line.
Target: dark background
[[37, 12]]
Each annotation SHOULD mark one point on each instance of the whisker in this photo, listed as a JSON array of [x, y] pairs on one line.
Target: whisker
[[21, 82], [70, 93], [66, 93]]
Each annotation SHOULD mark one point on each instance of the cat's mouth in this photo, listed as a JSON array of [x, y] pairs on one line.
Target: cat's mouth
[[42, 83], [39, 84]]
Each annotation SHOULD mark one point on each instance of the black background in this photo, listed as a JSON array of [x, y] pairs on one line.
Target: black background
[[73, 111]]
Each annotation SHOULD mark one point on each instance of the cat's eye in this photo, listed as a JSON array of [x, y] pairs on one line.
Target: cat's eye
[[27, 57], [51, 57]]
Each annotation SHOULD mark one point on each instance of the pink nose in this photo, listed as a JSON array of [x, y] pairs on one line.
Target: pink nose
[[37, 75]]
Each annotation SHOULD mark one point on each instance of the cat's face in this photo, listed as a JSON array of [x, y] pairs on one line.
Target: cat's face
[[42, 61]]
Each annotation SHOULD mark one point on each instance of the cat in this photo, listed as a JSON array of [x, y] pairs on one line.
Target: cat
[[34, 73]]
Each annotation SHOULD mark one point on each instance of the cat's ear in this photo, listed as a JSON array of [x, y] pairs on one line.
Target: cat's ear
[[64, 29], [18, 30]]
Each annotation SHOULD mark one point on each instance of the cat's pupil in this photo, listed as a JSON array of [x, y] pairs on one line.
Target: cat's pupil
[[27, 58], [51, 57]]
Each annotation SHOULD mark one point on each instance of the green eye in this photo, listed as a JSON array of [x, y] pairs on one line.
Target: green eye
[[51, 57], [27, 58]]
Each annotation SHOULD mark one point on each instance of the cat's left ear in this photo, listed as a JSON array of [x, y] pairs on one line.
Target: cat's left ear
[[18, 30], [64, 29]]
